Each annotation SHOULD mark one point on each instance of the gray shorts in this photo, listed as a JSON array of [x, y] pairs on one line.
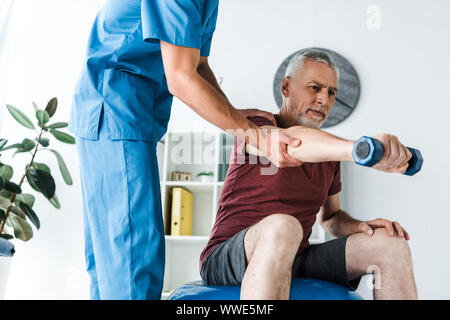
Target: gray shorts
[[226, 264]]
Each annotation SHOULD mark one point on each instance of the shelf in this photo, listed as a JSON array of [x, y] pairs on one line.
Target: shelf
[[193, 186], [187, 238]]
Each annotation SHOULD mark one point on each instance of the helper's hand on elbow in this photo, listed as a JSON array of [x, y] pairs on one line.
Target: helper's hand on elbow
[[274, 145], [395, 156]]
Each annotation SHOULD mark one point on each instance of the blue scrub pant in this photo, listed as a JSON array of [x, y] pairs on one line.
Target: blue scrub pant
[[123, 225]]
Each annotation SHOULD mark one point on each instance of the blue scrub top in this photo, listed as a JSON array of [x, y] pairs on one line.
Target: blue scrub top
[[123, 71]]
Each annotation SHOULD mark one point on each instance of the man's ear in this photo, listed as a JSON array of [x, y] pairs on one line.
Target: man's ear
[[285, 86]]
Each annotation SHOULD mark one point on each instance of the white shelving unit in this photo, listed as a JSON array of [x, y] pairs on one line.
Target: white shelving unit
[[195, 152]]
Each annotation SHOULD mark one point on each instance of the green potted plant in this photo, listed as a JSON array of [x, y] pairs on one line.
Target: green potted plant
[[206, 176], [17, 215]]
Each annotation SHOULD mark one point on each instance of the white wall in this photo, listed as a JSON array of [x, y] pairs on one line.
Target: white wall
[[47, 43], [405, 82]]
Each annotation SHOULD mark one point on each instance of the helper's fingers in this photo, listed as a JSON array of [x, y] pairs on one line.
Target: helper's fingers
[[364, 227], [398, 228], [401, 231], [407, 237], [285, 139], [286, 160], [383, 223]]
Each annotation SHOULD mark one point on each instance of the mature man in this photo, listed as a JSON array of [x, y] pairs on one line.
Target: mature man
[[140, 54], [260, 236]]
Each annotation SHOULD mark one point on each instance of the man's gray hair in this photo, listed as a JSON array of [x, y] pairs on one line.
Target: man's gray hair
[[317, 55]]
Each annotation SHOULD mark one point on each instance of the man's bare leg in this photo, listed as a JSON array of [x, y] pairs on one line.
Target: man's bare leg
[[270, 248], [388, 258]]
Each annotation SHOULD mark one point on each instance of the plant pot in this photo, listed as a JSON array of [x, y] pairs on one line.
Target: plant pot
[[5, 266], [206, 178]]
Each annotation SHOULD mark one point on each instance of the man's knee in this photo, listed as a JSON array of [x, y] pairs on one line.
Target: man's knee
[[281, 228], [389, 250]]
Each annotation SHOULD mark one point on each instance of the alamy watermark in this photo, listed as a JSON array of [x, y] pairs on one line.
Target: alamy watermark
[[200, 149]]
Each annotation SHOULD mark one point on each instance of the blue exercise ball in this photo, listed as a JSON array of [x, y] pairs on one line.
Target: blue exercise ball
[[301, 289]]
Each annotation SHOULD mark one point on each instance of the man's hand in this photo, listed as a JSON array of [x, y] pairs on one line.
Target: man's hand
[[395, 156], [391, 227]]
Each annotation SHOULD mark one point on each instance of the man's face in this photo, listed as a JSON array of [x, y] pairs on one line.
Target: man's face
[[310, 95]]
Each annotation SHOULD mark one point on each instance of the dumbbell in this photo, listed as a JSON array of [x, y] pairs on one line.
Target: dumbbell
[[368, 151]]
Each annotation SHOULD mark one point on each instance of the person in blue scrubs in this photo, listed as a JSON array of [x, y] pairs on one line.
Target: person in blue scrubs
[[141, 53]]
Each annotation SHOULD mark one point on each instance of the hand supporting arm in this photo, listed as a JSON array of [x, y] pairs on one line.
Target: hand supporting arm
[[184, 81], [317, 145], [320, 146]]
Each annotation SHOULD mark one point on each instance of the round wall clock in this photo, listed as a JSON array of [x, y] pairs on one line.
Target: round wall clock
[[348, 87]]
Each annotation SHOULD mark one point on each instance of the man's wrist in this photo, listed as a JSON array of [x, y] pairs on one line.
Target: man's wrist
[[347, 150]]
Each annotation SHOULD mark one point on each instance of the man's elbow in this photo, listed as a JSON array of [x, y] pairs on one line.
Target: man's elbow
[[178, 82]]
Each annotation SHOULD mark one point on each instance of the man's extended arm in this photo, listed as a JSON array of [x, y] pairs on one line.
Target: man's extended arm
[[320, 146]]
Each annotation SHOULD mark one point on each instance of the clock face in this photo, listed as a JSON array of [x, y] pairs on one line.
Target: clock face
[[348, 87]]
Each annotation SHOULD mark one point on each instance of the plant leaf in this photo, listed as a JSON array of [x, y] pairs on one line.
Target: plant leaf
[[30, 214], [6, 194], [16, 145], [22, 230], [2, 215], [28, 144], [27, 198], [55, 202], [62, 136], [6, 236], [57, 125], [12, 187], [51, 106], [17, 211], [25, 146], [42, 117], [44, 181], [63, 168], [4, 203], [35, 106], [40, 166], [2, 143], [43, 141], [20, 117], [6, 172], [32, 183]]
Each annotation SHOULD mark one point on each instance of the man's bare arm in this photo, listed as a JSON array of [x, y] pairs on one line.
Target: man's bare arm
[[336, 221], [317, 145], [339, 223], [320, 146]]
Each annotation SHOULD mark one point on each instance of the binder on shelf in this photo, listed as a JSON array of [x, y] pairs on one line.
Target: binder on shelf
[[182, 211], [168, 211]]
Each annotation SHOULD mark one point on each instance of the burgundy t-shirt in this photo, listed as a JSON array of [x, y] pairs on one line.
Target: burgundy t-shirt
[[249, 196]]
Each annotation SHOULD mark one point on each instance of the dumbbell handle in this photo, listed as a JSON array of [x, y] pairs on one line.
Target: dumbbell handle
[[368, 151]]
